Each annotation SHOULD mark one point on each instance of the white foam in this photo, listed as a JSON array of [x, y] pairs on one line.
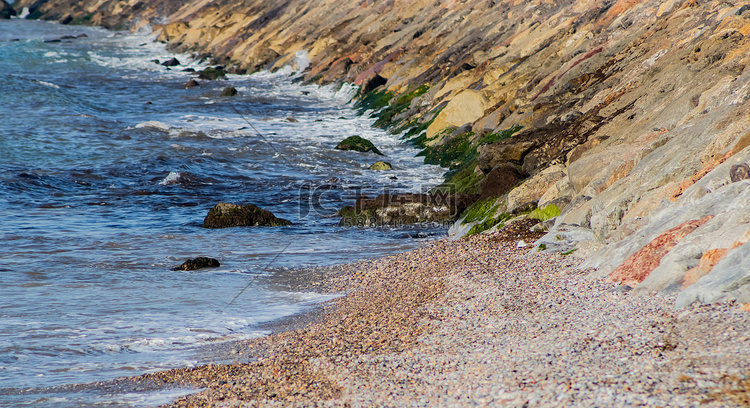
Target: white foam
[[154, 125], [172, 178]]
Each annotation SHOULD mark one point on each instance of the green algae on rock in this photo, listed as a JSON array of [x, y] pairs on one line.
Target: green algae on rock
[[358, 144], [225, 215], [381, 166]]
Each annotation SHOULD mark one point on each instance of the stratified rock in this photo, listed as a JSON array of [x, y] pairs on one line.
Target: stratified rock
[[501, 180], [739, 172], [229, 91], [225, 215], [395, 210], [358, 144], [381, 165], [212, 73], [6, 10], [197, 263], [640, 265], [172, 62], [191, 84]]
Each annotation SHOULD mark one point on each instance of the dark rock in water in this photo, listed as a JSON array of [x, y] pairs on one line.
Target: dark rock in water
[[197, 263], [358, 144], [396, 210], [212, 73], [291, 120], [501, 180], [381, 165], [191, 84], [156, 61], [372, 82], [229, 91], [6, 10], [188, 70], [225, 215], [264, 58], [172, 62], [66, 20], [739, 172]]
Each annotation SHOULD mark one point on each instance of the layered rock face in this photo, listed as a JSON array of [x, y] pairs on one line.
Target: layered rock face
[[633, 112]]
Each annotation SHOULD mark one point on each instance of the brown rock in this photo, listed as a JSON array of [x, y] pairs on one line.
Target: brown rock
[[225, 215], [739, 172], [504, 151], [637, 268], [501, 180], [394, 210], [191, 84], [6, 10]]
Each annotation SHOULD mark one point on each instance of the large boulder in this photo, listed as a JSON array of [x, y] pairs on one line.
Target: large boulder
[[6, 11], [358, 144], [501, 180], [466, 107], [225, 215], [396, 210]]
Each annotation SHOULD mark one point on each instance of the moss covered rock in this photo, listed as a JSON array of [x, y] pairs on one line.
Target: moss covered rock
[[212, 73], [358, 144], [381, 165], [225, 215]]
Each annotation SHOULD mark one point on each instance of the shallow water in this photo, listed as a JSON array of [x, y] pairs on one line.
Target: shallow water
[[107, 168]]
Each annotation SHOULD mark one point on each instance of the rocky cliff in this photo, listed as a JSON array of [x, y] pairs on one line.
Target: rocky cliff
[[630, 116]]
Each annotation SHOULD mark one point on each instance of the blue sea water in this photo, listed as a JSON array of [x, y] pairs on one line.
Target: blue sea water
[[107, 168]]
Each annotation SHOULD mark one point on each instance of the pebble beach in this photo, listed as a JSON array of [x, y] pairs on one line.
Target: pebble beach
[[482, 322]]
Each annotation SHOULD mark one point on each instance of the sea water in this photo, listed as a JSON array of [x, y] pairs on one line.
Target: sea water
[[108, 166]]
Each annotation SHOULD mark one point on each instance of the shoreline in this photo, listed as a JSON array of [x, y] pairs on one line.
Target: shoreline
[[476, 321], [481, 322]]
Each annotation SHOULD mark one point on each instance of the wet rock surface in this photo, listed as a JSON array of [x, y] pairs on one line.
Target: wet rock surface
[[197, 263], [225, 215], [403, 209], [358, 144]]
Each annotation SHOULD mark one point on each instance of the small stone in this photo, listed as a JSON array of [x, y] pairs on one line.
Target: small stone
[[522, 244], [739, 172], [197, 263], [191, 84]]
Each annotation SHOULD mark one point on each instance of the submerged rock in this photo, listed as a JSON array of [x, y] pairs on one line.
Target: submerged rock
[[229, 91], [358, 144], [197, 263], [381, 165], [212, 73], [191, 84], [172, 62], [225, 215]]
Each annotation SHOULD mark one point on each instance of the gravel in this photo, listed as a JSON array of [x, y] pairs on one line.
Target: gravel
[[481, 322]]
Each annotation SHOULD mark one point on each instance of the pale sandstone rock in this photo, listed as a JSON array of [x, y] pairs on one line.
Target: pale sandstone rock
[[466, 107], [533, 188]]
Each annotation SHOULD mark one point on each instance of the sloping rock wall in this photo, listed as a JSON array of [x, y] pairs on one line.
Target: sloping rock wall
[[643, 105]]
